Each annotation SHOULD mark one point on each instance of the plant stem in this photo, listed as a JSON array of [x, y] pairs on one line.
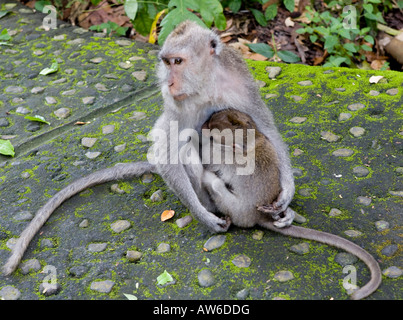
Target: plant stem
[[387, 29]]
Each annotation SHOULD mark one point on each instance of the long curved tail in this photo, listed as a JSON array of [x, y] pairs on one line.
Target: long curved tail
[[341, 243], [118, 172]]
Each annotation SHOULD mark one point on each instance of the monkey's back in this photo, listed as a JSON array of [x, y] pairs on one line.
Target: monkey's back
[[267, 174]]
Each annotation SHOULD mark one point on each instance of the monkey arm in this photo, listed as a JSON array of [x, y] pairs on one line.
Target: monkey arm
[[176, 178], [214, 185], [268, 128]]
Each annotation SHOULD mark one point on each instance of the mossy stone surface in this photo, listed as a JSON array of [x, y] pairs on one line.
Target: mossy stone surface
[[111, 82]]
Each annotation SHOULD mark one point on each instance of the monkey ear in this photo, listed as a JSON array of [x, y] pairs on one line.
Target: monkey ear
[[215, 45]]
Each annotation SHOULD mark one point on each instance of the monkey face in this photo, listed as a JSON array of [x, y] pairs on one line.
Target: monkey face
[[175, 65], [186, 59], [222, 127]]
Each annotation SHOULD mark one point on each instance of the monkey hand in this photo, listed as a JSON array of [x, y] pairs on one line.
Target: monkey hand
[[284, 199], [283, 219]]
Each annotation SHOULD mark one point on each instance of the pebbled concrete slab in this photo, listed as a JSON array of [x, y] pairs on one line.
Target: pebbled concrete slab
[[345, 136]]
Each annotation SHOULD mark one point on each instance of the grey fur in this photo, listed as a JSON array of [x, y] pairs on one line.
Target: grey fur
[[215, 79]]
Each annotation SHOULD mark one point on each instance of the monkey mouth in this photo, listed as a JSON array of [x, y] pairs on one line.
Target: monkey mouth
[[180, 97]]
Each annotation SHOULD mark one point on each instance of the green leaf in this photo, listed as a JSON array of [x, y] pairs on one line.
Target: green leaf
[[345, 33], [37, 119], [3, 13], [330, 42], [131, 7], [335, 61], [6, 148], [235, 5], [262, 48], [376, 17], [143, 21], [309, 30], [289, 4], [4, 36], [313, 38], [369, 39], [364, 30], [288, 56], [350, 47], [53, 68], [39, 5], [121, 31], [130, 296], [380, 17], [271, 12], [164, 278], [173, 18], [220, 21], [326, 16], [323, 31], [209, 9], [366, 48], [332, 4], [259, 16], [368, 7], [301, 30], [184, 4]]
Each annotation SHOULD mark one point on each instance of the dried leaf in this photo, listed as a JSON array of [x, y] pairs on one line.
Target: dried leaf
[[153, 31], [377, 64], [288, 22], [375, 79], [256, 56], [167, 214], [226, 39]]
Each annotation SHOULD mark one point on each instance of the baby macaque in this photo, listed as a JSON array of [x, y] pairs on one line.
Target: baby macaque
[[246, 200]]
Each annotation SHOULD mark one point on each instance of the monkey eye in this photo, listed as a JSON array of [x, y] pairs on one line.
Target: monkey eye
[[166, 61], [178, 60]]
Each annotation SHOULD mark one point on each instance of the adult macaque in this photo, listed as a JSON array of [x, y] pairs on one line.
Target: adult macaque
[[244, 199], [198, 76]]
